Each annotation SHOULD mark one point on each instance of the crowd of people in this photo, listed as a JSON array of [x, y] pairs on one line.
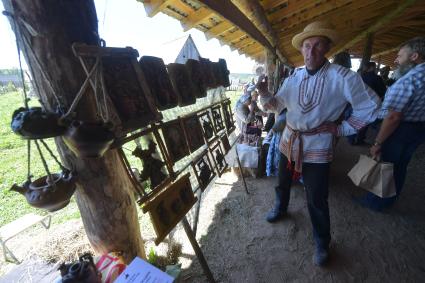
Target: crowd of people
[[322, 101]]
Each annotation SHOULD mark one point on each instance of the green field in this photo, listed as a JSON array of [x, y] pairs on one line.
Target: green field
[[13, 165]]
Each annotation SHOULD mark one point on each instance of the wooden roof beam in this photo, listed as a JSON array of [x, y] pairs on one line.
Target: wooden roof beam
[[196, 17], [152, 7], [253, 10], [378, 24], [385, 52], [229, 11]]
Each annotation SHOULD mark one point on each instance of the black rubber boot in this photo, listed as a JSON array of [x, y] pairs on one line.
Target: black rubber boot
[[277, 212]]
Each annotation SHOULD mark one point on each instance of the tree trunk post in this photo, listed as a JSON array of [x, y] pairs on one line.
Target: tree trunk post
[[104, 192], [367, 51], [270, 69]]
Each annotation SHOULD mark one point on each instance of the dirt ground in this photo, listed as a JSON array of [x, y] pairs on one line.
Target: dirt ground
[[240, 246]]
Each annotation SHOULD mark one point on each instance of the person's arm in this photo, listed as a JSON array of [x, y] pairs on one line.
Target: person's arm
[[397, 98], [268, 102], [389, 125], [365, 104]]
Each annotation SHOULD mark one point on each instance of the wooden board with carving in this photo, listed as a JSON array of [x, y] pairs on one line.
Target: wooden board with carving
[[124, 83], [228, 117], [193, 132], [159, 82], [182, 83], [218, 157], [217, 118], [170, 206], [207, 126], [203, 168], [175, 140], [225, 144]]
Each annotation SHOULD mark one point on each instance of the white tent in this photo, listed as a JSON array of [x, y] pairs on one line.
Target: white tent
[[188, 51]]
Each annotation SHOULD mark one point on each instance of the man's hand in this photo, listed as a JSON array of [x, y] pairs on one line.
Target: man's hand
[[375, 151], [262, 85]]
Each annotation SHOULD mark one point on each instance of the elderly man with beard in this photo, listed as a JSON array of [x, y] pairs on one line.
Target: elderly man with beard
[[315, 97], [403, 114]]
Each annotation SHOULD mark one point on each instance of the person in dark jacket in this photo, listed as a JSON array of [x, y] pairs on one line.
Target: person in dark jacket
[[374, 81]]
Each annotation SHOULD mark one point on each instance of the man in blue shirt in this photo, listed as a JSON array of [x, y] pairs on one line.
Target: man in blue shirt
[[403, 114]]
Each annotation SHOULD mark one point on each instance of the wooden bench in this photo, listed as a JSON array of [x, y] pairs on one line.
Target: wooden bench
[[12, 229]]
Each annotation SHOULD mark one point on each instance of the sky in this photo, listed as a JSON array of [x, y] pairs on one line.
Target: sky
[[124, 23]]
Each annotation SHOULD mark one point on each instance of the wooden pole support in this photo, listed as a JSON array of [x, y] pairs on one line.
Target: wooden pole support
[[197, 250]]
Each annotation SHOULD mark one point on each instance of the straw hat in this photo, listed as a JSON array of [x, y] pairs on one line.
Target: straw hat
[[315, 29]]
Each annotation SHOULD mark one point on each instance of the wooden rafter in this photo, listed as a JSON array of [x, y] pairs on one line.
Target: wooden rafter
[[244, 42], [229, 37], [218, 29], [385, 52], [152, 7], [378, 24], [196, 17]]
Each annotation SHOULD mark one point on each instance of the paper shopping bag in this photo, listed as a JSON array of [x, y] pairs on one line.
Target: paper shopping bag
[[373, 176]]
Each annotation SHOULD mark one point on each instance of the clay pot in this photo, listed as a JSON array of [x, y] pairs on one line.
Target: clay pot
[[51, 195], [35, 123], [88, 139]]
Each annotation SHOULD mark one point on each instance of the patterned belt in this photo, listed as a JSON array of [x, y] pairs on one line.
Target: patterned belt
[[296, 135]]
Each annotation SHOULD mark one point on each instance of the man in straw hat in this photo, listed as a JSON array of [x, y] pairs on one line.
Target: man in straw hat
[[315, 97]]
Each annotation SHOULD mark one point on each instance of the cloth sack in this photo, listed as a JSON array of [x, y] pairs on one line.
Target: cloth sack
[[373, 176]]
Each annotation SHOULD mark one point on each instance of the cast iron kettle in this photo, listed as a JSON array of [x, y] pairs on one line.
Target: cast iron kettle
[[89, 139], [35, 123], [50, 194]]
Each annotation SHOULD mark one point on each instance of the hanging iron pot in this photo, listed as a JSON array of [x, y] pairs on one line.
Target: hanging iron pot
[[51, 193], [36, 123], [89, 139]]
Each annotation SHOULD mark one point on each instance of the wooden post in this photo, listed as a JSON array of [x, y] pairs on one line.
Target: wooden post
[[197, 249], [378, 67], [270, 69], [104, 195], [367, 51], [253, 10]]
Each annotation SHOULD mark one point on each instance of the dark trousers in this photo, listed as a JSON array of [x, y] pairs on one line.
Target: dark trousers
[[316, 180], [398, 149]]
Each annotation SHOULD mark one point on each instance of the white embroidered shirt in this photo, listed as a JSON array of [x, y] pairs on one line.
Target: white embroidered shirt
[[314, 100]]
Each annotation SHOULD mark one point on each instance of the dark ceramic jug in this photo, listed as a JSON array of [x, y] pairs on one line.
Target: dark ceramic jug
[[35, 123], [51, 195], [89, 139]]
